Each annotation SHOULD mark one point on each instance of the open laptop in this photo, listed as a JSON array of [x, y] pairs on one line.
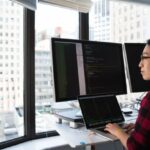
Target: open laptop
[[100, 110]]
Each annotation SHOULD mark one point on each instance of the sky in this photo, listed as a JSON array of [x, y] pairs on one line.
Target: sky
[[49, 16]]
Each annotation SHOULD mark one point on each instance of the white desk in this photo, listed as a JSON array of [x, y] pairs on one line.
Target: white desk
[[83, 137], [80, 136]]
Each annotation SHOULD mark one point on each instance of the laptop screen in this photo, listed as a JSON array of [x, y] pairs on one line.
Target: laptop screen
[[97, 111]]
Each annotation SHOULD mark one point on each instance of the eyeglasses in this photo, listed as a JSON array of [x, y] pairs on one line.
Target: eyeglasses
[[144, 57]]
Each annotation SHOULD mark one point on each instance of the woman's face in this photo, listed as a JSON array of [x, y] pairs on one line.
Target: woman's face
[[145, 63]]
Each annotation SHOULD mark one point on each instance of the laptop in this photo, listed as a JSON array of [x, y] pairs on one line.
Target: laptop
[[100, 110]]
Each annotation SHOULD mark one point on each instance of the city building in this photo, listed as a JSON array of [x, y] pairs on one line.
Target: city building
[[11, 55], [119, 22]]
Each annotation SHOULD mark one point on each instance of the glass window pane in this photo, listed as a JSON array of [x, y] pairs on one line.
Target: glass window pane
[[119, 21], [11, 70], [51, 21]]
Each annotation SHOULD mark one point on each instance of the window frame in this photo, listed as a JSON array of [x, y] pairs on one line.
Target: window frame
[[28, 44], [84, 26]]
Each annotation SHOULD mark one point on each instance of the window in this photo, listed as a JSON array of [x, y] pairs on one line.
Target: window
[[11, 123], [125, 17], [47, 26], [17, 63]]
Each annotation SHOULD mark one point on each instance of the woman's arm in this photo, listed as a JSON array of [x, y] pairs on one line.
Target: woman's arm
[[114, 129]]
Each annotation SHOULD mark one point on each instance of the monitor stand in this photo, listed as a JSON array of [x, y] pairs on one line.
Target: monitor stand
[[75, 105], [73, 116], [79, 114]]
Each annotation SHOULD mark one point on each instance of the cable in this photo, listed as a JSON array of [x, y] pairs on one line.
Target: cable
[[139, 99]]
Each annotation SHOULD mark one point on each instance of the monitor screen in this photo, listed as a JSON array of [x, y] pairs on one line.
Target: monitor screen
[[87, 67], [104, 68], [65, 68], [133, 53]]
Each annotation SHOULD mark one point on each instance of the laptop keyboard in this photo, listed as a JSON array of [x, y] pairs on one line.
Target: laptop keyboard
[[102, 129]]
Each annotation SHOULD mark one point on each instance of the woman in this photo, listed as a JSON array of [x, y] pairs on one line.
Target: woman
[[139, 138]]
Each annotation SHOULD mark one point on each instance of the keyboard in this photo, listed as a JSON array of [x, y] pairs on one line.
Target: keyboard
[[102, 130]]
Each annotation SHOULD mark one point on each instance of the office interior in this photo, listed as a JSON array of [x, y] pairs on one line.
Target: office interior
[[27, 87]]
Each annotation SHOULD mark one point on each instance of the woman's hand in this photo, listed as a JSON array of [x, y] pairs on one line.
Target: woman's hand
[[114, 129], [129, 128]]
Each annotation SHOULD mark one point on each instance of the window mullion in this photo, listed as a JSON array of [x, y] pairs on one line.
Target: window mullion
[[29, 94]]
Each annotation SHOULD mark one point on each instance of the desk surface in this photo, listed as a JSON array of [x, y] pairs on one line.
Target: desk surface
[[80, 136]]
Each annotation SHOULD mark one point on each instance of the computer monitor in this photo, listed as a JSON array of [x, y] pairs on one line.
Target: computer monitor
[[104, 68], [65, 69], [87, 67], [133, 53]]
